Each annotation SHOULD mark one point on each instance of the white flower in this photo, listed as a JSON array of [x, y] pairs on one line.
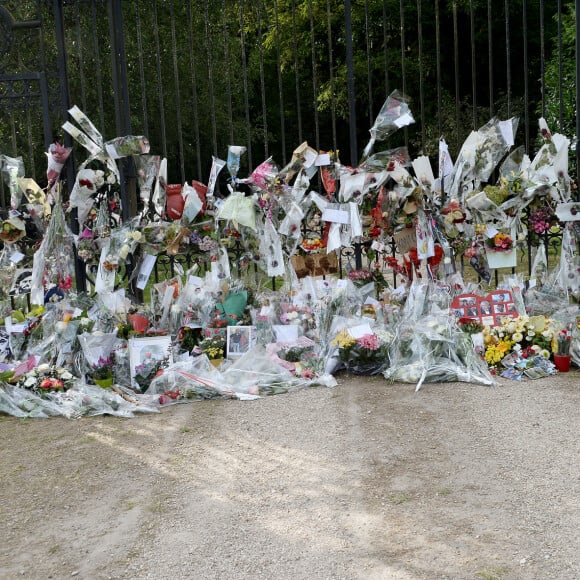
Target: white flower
[[517, 347], [545, 353], [99, 178], [66, 376], [43, 369], [517, 337], [30, 382]]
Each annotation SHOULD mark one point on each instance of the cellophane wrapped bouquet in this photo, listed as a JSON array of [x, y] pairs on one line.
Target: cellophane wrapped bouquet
[[430, 347]]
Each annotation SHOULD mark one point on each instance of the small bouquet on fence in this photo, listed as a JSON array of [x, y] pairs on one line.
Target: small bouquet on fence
[[500, 242], [12, 230]]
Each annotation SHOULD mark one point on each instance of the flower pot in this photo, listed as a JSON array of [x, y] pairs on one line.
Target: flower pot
[[104, 383], [216, 362], [497, 259], [562, 362]]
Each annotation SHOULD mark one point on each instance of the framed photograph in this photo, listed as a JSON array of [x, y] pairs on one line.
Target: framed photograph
[[146, 355], [239, 340], [22, 282]]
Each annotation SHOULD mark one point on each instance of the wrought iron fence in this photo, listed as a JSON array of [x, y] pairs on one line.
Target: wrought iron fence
[[196, 76]]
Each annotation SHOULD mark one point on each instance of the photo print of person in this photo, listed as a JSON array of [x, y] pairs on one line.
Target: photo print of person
[[238, 340]]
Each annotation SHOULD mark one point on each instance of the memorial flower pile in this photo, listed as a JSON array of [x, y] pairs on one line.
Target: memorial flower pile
[[189, 249]]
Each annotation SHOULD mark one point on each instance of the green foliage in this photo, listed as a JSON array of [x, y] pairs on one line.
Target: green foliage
[[204, 74], [559, 105]]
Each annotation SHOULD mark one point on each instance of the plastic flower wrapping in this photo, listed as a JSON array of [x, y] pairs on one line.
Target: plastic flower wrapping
[[53, 267]]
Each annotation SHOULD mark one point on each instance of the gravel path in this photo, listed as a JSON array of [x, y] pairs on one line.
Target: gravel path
[[367, 480]]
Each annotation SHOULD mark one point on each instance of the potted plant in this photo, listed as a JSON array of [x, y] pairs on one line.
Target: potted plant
[[102, 372], [214, 349]]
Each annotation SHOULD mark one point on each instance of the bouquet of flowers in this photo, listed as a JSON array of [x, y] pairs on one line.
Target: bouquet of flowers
[[57, 156], [500, 242], [564, 342], [298, 315], [540, 220], [366, 355], [148, 370], [360, 278], [432, 349], [304, 360], [12, 230], [46, 379], [525, 335], [214, 347], [470, 325]]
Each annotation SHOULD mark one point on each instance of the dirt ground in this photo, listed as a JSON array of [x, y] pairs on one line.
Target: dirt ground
[[367, 480]]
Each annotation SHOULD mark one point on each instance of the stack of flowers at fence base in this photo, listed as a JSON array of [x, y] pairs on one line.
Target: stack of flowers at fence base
[[527, 336], [366, 355], [214, 349]]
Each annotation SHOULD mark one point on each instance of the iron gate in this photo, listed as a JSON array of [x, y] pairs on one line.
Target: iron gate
[[197, 75]]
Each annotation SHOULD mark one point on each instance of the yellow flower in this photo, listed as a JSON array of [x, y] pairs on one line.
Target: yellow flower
[[343, 340]]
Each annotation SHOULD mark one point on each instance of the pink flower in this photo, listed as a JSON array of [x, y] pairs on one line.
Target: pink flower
[[369, 341]]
